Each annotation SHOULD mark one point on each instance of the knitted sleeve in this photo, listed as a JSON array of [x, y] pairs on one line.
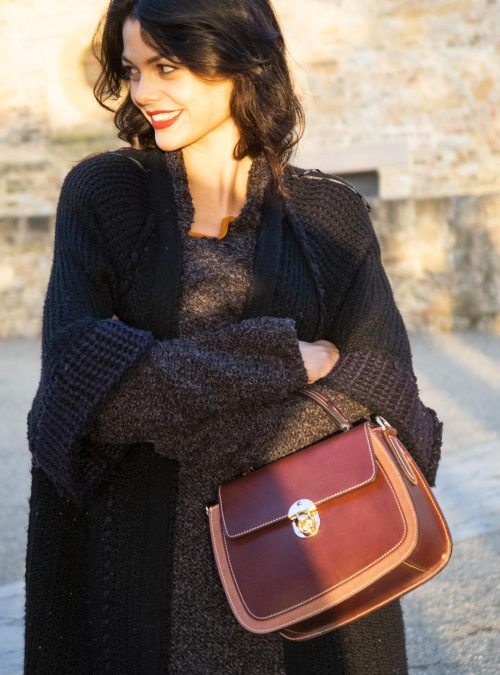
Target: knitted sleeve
[[84, 352], [375, 365], [87, 357]]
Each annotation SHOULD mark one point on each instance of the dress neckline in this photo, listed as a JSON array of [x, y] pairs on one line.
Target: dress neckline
[[224, 229], [259, 178]]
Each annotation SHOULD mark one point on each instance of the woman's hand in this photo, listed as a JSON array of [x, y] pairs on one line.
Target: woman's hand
[[319, 358]]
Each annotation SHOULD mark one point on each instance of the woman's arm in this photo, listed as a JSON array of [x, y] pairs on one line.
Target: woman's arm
[[375, 366], [84, 352], [88, 358], [182, 381]]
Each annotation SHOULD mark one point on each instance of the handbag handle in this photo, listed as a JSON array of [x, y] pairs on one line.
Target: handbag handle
[[330, 408]]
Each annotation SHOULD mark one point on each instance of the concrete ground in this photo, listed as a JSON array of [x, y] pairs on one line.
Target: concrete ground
[[453, 621]]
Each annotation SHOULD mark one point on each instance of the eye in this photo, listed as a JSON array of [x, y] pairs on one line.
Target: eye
[[165, 65]]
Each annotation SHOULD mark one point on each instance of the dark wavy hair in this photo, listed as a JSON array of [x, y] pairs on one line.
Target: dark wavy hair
[[237, 39]]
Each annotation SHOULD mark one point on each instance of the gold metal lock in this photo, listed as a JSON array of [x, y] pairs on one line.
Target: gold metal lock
[[305, 518]]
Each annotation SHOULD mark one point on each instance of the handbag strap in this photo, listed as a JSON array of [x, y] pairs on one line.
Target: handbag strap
[[327, 405]]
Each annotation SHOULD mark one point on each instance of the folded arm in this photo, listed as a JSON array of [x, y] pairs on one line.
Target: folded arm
[[375, 366], [97, 371], [183, 381]]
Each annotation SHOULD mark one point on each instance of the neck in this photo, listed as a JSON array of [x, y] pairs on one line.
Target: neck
[[215, 177]]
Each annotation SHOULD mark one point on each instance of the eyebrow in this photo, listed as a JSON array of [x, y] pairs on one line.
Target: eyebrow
[[152, 59]]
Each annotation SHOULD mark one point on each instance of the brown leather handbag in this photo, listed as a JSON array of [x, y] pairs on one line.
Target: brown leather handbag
[[327, 534]]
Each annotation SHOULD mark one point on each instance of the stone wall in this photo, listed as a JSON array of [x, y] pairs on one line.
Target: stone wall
[[442, 258], [404, 91], [406, 87]]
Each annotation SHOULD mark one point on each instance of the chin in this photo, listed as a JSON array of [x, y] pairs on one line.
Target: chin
[[168, 145]]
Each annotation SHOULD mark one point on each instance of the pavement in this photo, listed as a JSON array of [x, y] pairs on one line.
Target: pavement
[[452, 621]]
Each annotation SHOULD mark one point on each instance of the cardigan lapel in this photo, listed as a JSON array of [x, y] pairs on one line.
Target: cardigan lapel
[[267, 258], [166, 291], [155, 291]]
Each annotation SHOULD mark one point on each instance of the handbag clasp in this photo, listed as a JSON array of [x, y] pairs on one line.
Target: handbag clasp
[[305, 518]]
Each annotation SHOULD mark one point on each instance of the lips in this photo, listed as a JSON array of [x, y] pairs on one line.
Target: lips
[[160, 119]]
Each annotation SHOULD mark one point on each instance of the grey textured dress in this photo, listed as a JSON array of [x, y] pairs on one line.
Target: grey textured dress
[[216, 278]]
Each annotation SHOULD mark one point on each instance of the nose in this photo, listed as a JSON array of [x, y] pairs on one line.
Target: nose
[[145, 90]]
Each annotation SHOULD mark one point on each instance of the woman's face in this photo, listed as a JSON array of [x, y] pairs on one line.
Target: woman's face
[[182, 108]]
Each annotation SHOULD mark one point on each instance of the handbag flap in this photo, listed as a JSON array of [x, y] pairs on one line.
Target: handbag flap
[[322, 471]]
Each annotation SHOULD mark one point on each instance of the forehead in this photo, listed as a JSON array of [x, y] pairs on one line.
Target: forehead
[[134, 47]]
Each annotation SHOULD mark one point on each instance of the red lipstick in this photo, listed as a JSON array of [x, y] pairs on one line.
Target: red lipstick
[[162, 124]]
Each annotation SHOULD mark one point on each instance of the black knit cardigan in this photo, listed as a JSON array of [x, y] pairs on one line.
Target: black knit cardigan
[[318, 274]]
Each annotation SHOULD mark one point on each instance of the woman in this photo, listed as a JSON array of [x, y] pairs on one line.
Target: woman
[[199, 279]]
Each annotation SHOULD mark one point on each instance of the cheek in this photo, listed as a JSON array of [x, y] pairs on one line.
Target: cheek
[[213, 102], [223, 92]]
